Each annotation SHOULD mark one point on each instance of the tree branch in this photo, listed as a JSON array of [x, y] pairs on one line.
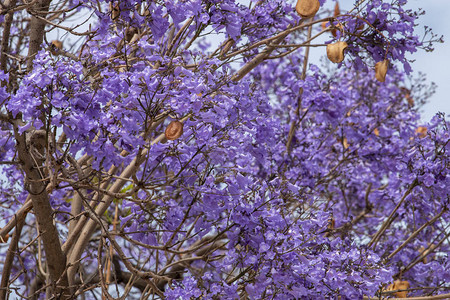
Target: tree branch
[[17, 218], [85, 230], [9, 259], [299, 98], [56, 260], [412, 236], [436, 297], [37, 32], [5, 38], [389, 220]]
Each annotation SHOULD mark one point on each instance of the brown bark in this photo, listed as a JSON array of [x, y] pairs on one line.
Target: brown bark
[[9, 260], [77, 242], [37, 27], [5, 38], [36, 186]]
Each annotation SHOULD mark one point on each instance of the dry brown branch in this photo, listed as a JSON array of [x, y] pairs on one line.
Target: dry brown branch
[[12, 251]]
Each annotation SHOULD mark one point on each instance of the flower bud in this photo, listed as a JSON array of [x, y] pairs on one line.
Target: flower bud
[[335, 52], [307, 8], [174, 130], [381, 68]]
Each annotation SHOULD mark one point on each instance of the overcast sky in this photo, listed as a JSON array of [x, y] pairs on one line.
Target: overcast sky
[[437, 63]]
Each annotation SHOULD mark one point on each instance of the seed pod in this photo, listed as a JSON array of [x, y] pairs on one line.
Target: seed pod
[[407, 94], [421, 131], [345, 143], [115, 11], [425, 251], [422, 251], [381, 68], [401, 285], [337, 27], [376, 132], [337, 11], [307, 8], [334, 29], [174, 130], [331, 223], [335, 52], [55, 47], [130, 32], [409, 99]]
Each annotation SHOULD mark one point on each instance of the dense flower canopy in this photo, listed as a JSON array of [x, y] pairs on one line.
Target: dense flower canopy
[[283, 179]]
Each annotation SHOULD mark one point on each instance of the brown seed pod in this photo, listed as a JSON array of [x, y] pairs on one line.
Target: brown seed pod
[[381, 68], [174, 130], [334, 29], [337, 27], [425, 251], [376, 132], [331, 223], [307, 8], [115, 11], [130, 32], [335, 52], [421, 131], [55, 46], [422, 251], [409, 99], [401, 285], [407, 95], [337, 11], [345, 143]]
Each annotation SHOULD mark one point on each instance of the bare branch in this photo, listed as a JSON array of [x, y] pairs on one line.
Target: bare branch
[[37, 188], [37, 32], [9, 259], [5, 38]]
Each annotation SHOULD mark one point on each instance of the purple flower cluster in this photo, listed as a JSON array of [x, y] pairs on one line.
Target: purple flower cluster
[[283, 184]]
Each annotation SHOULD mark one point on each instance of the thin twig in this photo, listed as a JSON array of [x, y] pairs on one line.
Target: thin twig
[[412, 236], [299, 98], [389, 220]]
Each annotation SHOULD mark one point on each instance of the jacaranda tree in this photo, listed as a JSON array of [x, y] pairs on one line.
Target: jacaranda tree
[[190, 150]]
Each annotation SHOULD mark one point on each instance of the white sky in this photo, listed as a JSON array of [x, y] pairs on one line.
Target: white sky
[[435, 64]]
